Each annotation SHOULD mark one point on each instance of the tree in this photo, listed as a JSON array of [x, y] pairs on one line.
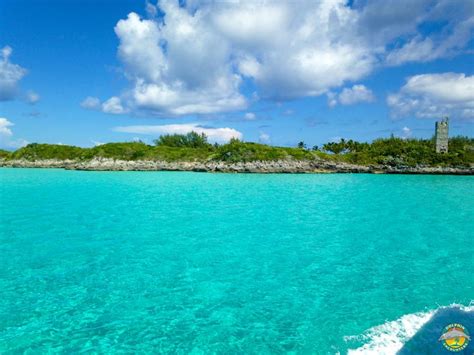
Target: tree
[[190, 140], [335, 147], [301, 145]]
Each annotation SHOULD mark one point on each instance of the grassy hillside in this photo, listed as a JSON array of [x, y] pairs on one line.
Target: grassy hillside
[[36, 151], [194, 147]]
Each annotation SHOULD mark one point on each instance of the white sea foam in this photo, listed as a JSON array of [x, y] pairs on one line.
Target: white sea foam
[[388, 338]]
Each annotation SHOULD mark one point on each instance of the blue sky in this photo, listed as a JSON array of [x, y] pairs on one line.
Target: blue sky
[[88, 72]]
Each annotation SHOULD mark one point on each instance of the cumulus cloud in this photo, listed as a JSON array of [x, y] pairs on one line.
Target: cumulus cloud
[[91, 103], [194, 73], [10, 75], [358, 93], [114, 106], [6, 136], [5, 130], [195, 61], [351, 96], [219, 135], [434, 95], [194, 58]]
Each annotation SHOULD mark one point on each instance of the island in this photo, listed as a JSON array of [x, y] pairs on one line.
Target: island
[[193, 152]]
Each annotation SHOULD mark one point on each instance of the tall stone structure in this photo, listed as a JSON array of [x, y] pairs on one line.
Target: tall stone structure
[[441, 136]]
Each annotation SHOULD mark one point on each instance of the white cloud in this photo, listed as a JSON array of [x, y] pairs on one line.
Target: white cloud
[[454, 37], [249, 66], [139, 47], [163, 99], [194, 59], [358, 93], [332, 98], [445, 87], [114, 106], [250, 116], [193, 74], [293, 49], [351, 96], [6, 135], [264, 138], [5, 130], [91, 103], [406, 132], [219, 135], [434, 95], [32, 97], [10, 75], [427, 49]]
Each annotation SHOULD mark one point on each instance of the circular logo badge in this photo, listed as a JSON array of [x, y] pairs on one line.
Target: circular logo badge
[[455, 337]]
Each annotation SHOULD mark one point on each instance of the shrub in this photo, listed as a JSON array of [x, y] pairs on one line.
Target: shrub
[[190, 140]]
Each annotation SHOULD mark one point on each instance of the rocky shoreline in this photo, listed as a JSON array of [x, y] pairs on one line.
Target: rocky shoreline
[[265, 167]]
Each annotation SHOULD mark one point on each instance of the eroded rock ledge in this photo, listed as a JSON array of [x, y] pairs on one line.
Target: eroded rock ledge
[[280, 166]]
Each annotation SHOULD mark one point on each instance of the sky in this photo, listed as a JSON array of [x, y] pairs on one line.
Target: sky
[[86, 72]]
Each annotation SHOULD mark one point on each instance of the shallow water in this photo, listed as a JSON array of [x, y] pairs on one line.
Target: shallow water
[[223, 263]]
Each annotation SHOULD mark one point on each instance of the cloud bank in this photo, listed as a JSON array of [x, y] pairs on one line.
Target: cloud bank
[[219, 135], [435, 95], [195, 58]]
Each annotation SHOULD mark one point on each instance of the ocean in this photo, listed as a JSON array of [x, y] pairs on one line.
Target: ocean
[[180, 262]]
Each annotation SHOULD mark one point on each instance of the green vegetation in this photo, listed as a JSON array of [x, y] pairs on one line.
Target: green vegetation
[[4, 154], [35, 151], [121, 151], [195, 147], [238, 151], [190, 140], [408, 152]]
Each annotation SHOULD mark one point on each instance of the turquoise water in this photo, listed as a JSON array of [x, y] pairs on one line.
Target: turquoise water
[[219, 263]]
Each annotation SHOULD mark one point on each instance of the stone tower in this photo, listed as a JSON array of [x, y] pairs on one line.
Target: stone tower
[[441, 136]]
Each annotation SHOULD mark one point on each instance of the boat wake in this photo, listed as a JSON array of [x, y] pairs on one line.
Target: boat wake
[[412, 332]]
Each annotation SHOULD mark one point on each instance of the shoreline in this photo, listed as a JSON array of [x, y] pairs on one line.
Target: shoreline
[[259, 167]]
